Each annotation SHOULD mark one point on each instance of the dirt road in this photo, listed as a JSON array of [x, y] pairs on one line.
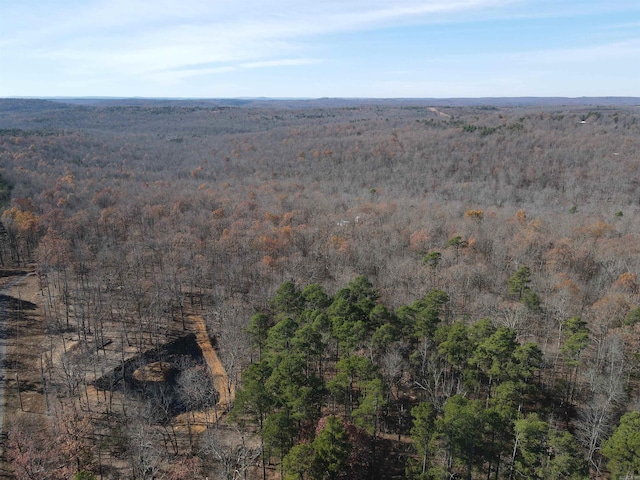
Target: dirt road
[[220, 379]]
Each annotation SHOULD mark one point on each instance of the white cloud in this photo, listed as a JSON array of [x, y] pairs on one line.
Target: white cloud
[[156, 44], [173, 77], [287, 62], [139, 37]]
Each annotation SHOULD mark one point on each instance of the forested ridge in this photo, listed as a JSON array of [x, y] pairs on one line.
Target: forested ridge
[[394, 290]]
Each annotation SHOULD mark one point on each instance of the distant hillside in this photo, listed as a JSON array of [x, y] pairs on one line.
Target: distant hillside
[[34, 104]]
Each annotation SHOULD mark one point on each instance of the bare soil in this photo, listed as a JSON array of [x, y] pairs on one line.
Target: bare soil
[[27, 345], [220, 379]]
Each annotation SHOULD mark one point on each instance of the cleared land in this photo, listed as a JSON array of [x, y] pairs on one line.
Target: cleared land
[[28, 354]]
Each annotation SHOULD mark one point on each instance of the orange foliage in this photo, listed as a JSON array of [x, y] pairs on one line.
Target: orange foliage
[[535, 224], [627, 282], [565, 283], [234, 234], [268, 261], [26, 221], [287, 218], [157, 211], [386, 208], [597, 230], [475, 215], [218, 213], [367, 207], [104, 198], [245, 207], [561, 254], [268, 244], [418, 240], [611, 309], [68, 178], [272, 243], [181, 206], [339, 243], [567, 294], [270, 217], [286, 232]]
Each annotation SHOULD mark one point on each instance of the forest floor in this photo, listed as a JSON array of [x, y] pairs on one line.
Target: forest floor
[[24, 338]]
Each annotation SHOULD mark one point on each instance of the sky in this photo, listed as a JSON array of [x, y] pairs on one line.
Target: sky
[[319, 48]]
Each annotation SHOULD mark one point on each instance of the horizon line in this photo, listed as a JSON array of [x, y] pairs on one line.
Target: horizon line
[[137, 97]]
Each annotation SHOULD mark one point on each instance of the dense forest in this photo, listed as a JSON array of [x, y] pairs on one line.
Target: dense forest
[[393, 289]]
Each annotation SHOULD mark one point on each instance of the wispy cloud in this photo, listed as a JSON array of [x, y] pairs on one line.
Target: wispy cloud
[[173, 76], [286, 62], [188, 45], [139, 37]]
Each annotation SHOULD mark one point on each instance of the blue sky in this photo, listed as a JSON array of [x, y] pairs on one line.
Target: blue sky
[[318, 48]]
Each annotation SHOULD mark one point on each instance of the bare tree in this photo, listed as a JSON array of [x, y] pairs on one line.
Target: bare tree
[[606, 392], [29, 452], [228, 452]]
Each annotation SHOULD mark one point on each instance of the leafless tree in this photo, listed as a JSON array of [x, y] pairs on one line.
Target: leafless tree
[[228, 453]]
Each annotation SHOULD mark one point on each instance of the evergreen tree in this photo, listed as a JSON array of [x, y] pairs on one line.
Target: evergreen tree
[[422, 432], [623, 447], [258, 328], [332, 449], [530, 447], [461, 427], [287, 300], [519, 282], [278, 431], [298, 461], [315, 297], [253, 400], [564, 458]]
